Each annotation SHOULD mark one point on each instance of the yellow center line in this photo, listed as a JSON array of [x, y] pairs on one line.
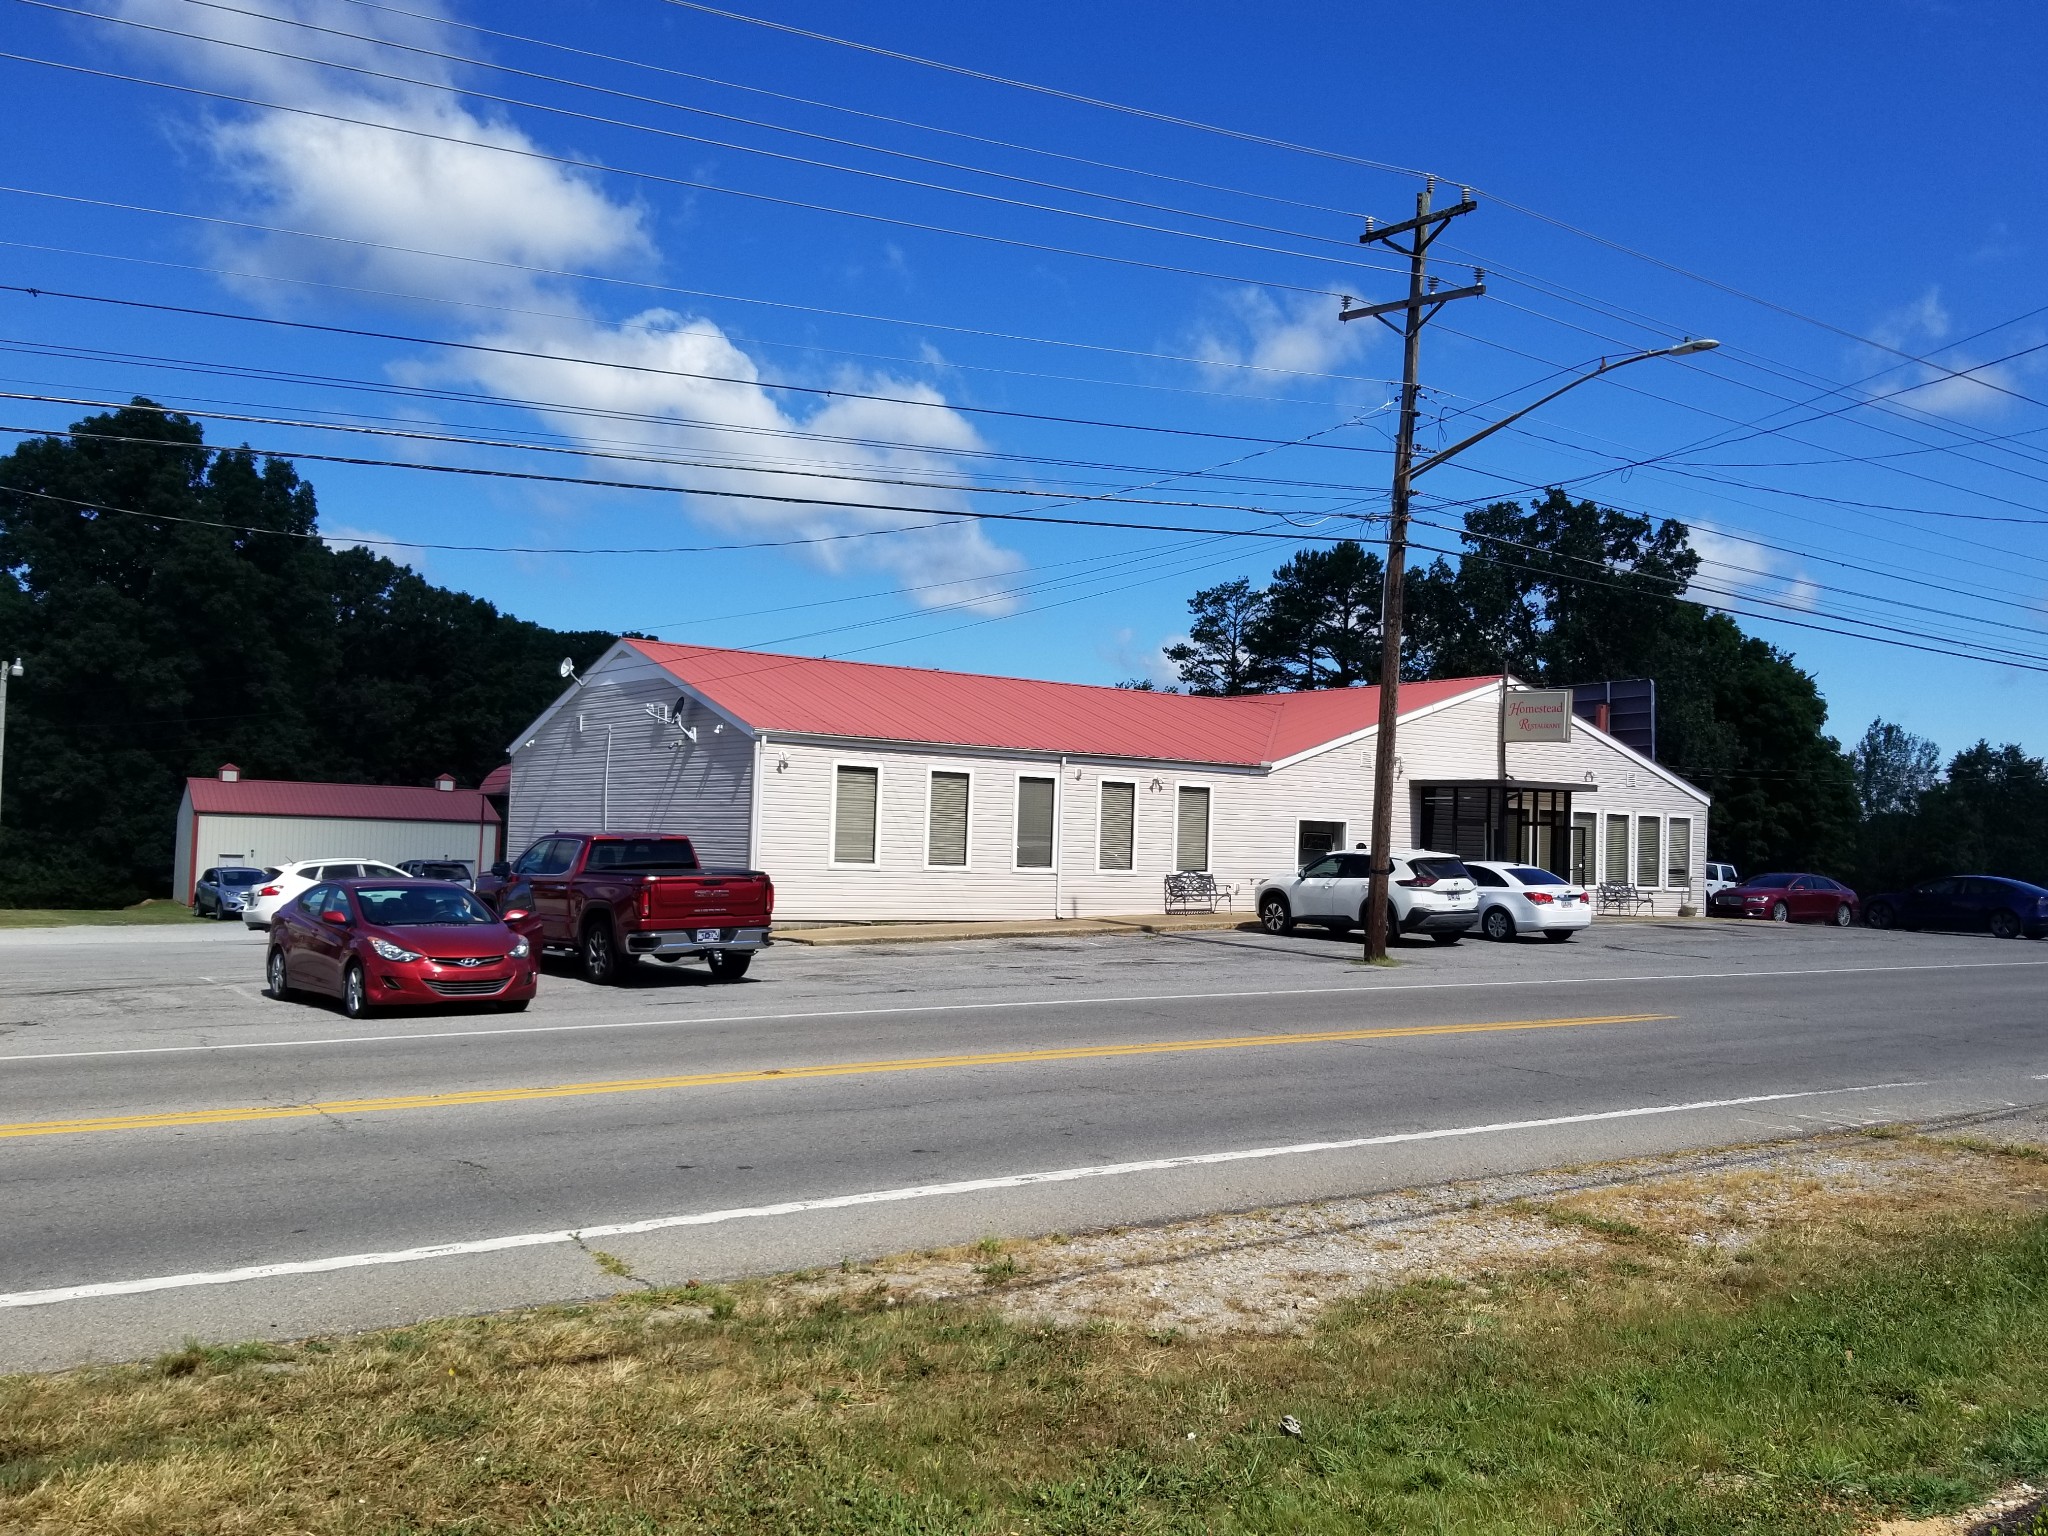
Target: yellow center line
[[466, 1097]]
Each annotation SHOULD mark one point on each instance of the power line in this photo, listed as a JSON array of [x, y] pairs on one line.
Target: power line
[[574, 163]]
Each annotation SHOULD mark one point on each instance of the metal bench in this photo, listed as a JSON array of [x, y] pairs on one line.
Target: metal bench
[[1192, 891], [1618, 896]]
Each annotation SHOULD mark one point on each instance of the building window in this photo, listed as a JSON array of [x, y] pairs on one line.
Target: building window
[[854, 793], [1117, 833], [1035, 823], [1313, 839], [946, 822], [1615, 861], [1649, 866], [1191, 829], [1678, 867]]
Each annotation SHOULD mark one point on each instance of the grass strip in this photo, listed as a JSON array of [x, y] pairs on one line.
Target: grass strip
[[146, 914], [1803, 1386]]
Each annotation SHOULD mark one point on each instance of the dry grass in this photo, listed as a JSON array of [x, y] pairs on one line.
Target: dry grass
[[1792, 1344]]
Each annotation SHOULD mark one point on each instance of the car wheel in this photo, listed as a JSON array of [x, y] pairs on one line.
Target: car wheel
[[1879, 914], [2004, 925], [728, 965], [1275, 916], [1498, 925], [1843, 916], [1393, 924], [600, 958], [1558, 935], [273, 969], [355, 992], [1447, 939], [1780, 913]]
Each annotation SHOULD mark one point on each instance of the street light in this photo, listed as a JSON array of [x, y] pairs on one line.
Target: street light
[[12, 669], [1406, 468]]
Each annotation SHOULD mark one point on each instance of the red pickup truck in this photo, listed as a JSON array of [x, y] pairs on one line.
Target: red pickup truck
[[613, 897]]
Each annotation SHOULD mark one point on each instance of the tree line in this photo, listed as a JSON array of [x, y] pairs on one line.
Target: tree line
[[1558, 591], [175, 608]]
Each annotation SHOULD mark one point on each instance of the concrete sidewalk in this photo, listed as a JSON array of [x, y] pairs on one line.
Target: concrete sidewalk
[[824, 935]]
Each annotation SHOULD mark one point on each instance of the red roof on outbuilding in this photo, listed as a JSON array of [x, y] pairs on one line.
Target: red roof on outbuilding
[[343, 802], [808, 696]]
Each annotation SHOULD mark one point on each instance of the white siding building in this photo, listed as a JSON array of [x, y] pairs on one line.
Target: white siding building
[[230, 820], [876, 793]]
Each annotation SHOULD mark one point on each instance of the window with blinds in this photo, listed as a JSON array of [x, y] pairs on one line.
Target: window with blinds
[[1649, 867], [1034, 823], [1119, 823], [1614, 867], [1191, 829], [1678, 867], [854, 793], [946, 836]]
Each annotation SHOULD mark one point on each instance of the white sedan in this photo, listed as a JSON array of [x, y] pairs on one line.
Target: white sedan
[[294, 880], [1519, 898]]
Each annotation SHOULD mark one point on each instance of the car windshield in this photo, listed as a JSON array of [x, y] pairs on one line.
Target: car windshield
[[414, 906], [240, 876], [644, 853], [1772, 882], [1529, 876]]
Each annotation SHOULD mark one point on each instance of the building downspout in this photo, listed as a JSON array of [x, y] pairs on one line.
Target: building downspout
[[605, 822], [1059, 825], [753, 858]]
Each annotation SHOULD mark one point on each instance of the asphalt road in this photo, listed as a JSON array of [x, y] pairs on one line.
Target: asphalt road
[[186, 1157]]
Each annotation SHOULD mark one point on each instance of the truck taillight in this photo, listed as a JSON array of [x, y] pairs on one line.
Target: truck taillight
[[646, 902], [767, 895]]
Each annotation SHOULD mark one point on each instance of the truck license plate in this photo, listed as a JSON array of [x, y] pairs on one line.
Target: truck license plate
[[707, 935]]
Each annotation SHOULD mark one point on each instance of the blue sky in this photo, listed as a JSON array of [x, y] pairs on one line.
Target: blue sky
[[1808, 180]]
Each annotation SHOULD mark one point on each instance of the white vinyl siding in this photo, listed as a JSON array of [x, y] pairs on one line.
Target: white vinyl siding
[[1191, 828], [1035, 834], [946, 812], [1678, 862], [856, 795], [1649, 860], [269, 842], [1116, 826]]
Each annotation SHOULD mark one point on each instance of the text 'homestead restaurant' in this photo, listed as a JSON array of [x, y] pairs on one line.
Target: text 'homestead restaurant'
[[875, 793]]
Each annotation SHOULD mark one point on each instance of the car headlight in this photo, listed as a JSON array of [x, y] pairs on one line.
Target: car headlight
[[520, 949], [391, 951]]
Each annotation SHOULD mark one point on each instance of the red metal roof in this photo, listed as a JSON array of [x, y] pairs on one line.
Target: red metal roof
[[344, 802], [498, 781], [807, 696]]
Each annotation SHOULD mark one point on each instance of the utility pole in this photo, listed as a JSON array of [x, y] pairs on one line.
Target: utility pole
[[1422, 303], [7, 670]]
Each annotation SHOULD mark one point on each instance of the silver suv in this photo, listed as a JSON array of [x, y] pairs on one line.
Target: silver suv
[[1430, 893]]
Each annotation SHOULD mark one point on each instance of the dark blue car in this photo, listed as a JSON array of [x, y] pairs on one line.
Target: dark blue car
[[2006, 909]]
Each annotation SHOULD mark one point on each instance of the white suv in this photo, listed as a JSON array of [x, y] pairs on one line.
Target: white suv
[[1430, 893], [294, 880]]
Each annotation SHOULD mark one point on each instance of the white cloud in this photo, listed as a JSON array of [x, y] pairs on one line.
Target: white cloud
[[340, 536], [1733, 563], [1132, 659], [458, 194], [1922, 326], [1253, 330]]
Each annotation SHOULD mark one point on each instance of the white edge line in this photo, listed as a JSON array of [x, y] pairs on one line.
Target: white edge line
[[874, 1197], [1362, 990]]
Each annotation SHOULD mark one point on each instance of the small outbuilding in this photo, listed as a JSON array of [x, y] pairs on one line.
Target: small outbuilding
[[230, 820], [897, 793]]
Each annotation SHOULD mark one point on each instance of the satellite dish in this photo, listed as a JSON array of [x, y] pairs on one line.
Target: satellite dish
[[567, 668]]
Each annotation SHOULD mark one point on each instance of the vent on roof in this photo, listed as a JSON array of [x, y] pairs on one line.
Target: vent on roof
[[445, 783], [230, 774]]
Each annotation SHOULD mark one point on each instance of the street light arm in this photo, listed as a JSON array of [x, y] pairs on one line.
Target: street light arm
[[1606, 366]]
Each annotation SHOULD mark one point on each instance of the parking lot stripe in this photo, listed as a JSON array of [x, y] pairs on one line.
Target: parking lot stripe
[[466, 1098], [461, 1249]]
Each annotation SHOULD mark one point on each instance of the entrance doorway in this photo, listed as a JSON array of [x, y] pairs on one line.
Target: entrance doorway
[[1518, 822]]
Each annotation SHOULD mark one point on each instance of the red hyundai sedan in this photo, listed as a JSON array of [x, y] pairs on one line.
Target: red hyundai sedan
[[391, 943]]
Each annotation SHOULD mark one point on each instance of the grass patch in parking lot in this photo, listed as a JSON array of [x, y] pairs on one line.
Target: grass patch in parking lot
[[145, 913], [1845, 1359]]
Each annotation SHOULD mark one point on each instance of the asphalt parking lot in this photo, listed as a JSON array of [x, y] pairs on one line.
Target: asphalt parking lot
[[188, 1156]]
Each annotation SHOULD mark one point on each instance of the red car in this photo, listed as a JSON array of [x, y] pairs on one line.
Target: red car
[[1785, 898], [390, 943]]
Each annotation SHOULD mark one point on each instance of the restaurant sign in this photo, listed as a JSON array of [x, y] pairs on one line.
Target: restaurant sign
[[1537, 714]]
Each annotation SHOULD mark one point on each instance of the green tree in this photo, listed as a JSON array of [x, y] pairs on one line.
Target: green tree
[[175, 608], [1894, 768], [1321, 623], [1218, 656]]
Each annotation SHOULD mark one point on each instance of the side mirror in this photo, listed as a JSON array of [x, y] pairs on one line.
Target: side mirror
[[501, 870], [338, 919], [516, 915]]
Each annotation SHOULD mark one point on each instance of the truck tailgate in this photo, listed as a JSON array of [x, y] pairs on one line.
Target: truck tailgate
[[707, 901]]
